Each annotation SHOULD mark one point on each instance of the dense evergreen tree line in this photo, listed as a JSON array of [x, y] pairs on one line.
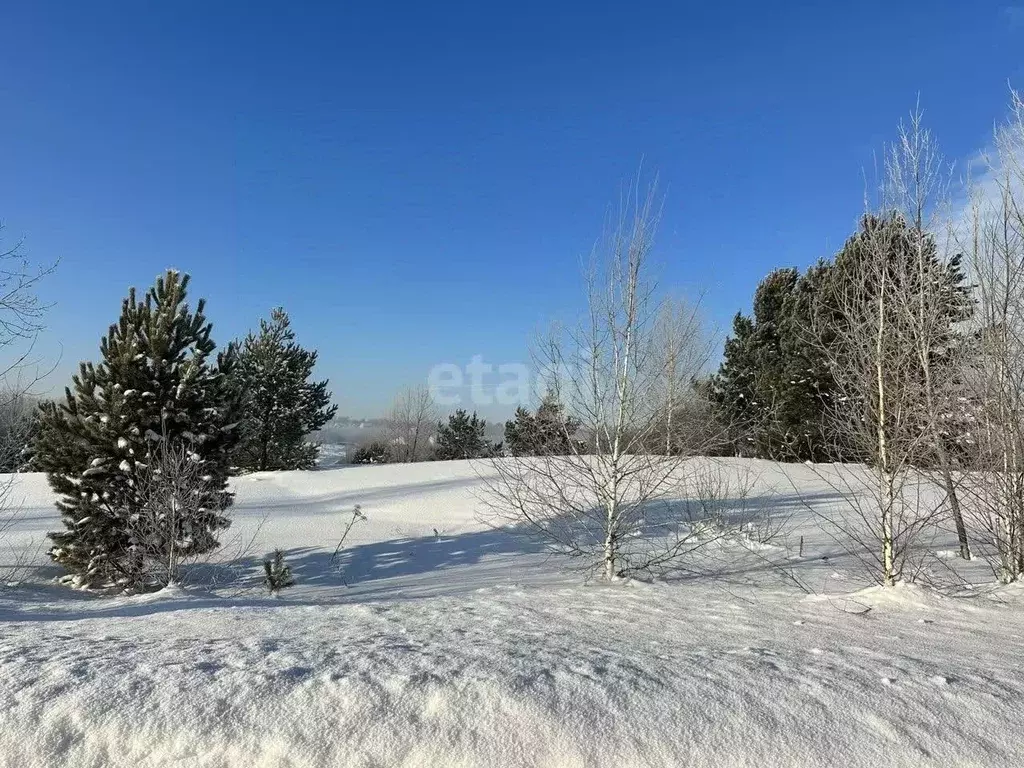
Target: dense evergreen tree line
[[774, 393], [548, 432]]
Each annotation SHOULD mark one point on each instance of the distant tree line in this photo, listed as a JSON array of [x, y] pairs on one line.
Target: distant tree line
[[415, 436], [412, 433]]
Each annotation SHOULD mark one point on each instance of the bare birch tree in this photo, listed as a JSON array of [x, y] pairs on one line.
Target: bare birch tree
[[169, 530], [866, 341], [609, 502], [409, 424], [916, 186], [886, 325], [684, 348], [17, 410], [21, 320], [994, 240]]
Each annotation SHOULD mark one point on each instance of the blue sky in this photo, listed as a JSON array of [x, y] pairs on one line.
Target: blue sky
[[416, 183]]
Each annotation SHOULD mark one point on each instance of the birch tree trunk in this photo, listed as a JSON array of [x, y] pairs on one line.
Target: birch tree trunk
[[609, 500]]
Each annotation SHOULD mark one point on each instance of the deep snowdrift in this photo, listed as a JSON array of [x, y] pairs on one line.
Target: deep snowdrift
[[502, 659]]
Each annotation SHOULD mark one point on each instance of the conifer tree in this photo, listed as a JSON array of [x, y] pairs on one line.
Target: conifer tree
[[374, 452], [910, 257], [775, 388], [281, 405], [156, 384], [547, 433], [767, 389], [277, 573], [732, 389], [520, 433], [463, 438]]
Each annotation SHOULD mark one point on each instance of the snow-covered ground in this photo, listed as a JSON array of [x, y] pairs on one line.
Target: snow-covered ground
[[440, 641]]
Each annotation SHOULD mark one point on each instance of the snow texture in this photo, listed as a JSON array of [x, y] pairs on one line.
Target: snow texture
[[457, 645]]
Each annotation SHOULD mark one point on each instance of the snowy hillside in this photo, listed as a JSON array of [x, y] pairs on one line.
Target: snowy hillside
[[435, 640]]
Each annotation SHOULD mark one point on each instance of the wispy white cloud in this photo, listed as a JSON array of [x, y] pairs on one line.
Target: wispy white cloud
[[1014, 15], [990, 171]]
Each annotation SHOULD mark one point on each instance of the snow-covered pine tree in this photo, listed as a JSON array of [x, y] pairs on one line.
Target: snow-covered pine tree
[[281, 405], [156, 382], [520, 433], [463, 438]]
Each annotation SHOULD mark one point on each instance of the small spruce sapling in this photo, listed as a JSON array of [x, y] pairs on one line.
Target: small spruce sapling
[[278, 573]]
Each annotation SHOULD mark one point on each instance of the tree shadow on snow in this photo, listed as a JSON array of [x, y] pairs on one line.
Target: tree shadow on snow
[[300, 505], [389, 568], [370, 570], [363, 566], [393, 568]]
